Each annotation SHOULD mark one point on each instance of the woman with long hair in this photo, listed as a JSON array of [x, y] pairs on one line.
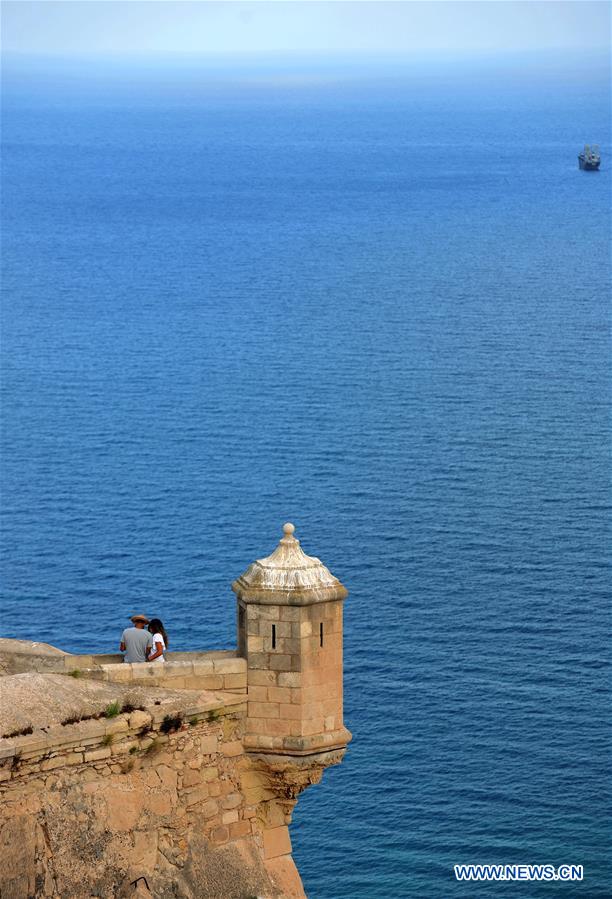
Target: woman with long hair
[[160, 641]]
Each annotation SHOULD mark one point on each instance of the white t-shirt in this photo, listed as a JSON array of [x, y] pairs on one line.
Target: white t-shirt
[[157, 638]]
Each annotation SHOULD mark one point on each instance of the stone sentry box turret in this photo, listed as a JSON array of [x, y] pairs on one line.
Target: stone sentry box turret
[[290, 633]]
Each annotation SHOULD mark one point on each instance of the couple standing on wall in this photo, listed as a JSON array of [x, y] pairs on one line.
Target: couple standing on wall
[[140, 645]]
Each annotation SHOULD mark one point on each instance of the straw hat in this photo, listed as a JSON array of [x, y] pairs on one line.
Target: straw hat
[[139, 618]]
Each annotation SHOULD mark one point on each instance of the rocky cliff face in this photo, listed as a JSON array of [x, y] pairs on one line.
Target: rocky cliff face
[[113, 789]]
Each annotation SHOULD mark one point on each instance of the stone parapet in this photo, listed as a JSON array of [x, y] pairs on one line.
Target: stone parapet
[[227, 673], [215, 670], [20, 656]]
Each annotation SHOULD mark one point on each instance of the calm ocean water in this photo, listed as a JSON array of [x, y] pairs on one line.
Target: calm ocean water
[[379, 311]]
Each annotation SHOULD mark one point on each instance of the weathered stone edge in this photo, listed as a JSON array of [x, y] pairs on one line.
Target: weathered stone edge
[[94, 732]]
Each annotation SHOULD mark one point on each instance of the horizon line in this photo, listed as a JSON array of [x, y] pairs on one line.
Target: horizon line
[[310, 55]]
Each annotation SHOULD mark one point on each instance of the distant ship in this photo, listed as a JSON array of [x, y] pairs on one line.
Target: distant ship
[[589, 159]]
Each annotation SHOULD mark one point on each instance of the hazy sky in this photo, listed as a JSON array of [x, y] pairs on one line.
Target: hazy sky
[[403, 27]]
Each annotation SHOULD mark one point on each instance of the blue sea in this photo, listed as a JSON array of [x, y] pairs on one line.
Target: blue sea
[[374, 302]]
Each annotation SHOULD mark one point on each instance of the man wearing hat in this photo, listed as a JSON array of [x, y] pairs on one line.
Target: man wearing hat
[[135, 641]]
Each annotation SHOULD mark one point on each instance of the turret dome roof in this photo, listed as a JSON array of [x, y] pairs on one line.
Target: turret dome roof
[[288, 577]]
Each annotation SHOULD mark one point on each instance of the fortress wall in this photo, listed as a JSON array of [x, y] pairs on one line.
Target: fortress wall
[[119, 808], [227, 673], [177, 780], [214, 670]]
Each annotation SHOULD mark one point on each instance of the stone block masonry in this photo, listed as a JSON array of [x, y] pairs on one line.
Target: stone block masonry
[[155, 795], [227, 673], [304, 689], [216, 670]]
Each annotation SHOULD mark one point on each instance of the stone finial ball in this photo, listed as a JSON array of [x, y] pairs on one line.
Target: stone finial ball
[[288, 529]]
